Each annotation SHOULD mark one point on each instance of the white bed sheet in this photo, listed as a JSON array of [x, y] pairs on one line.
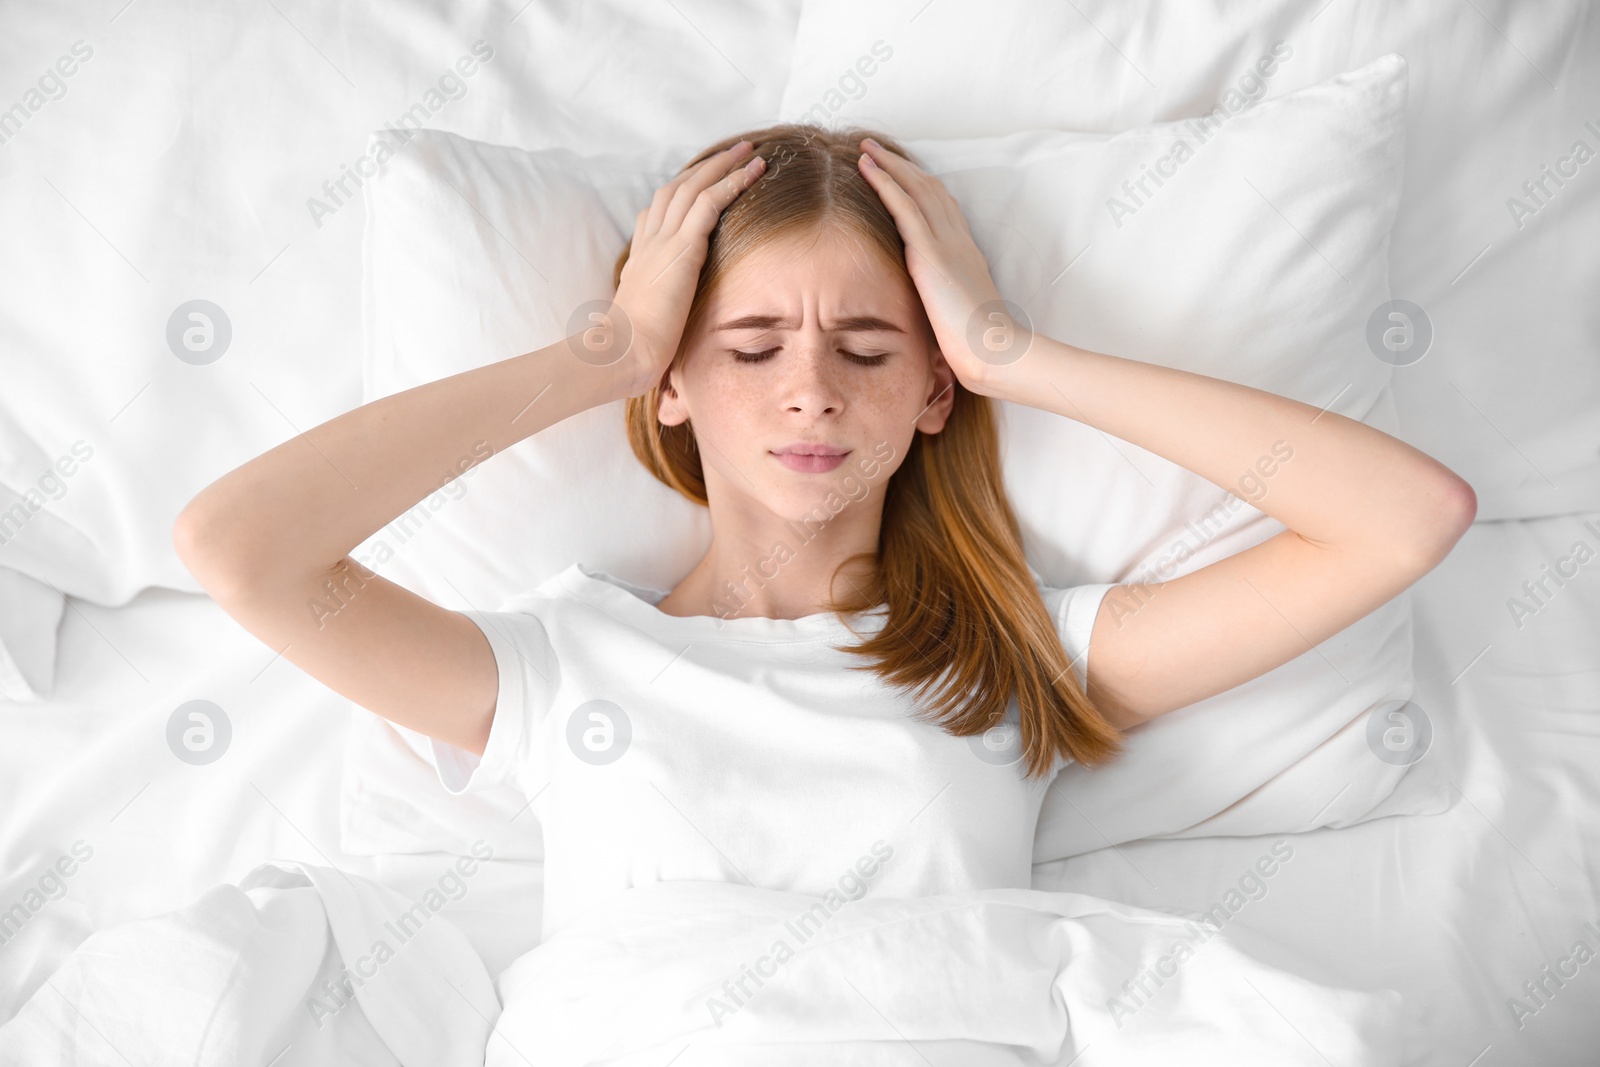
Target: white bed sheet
[[1454, 910]]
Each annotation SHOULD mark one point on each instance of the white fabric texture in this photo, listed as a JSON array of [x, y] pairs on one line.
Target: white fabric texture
[[30, 612], [654, 746], [992, 978], [302, 964], [1206, 276], [298, 964]]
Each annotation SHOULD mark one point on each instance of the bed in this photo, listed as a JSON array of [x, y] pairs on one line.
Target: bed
[[195, 153]]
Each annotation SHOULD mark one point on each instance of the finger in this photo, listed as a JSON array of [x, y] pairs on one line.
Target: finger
[[709, 205], [923, 188], [683, 192], [721, 184], [908, 217], [638, 229], [662, 200], [907, 213]]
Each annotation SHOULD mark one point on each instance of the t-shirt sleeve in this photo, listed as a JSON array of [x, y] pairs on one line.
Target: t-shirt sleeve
[[525, 664], [1074, 609]]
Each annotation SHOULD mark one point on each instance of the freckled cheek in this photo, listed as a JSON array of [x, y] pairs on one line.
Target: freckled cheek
[[731, 387], [890, 393], [897, 408], [731, 400]]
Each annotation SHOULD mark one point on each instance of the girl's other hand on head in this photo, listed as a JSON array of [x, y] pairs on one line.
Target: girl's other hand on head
[[951, 274]]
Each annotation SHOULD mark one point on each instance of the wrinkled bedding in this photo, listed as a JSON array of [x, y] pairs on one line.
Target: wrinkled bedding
[[300, 962]]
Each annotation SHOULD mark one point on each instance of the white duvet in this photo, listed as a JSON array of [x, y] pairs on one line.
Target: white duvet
[[304, 964]]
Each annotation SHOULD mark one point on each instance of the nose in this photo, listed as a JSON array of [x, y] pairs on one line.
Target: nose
[[812, 385]]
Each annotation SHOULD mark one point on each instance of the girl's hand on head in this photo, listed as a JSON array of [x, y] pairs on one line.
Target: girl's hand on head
[[975, 332], [670, 241]]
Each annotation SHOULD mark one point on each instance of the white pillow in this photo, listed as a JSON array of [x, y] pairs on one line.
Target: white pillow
[[1259, 260]]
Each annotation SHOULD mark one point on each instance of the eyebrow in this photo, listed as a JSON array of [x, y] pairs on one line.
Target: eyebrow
[[852, 324]]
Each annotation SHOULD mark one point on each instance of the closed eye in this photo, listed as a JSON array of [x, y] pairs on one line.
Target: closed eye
[[854, 357]]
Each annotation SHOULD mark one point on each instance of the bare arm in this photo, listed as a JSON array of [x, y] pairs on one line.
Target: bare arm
[[272, 538], [1367, 516]]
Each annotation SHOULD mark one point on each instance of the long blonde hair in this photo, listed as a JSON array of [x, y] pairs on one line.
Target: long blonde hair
[[963, 606]]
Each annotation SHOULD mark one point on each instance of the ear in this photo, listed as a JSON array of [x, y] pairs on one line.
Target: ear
[[671, 411], [941, 398]]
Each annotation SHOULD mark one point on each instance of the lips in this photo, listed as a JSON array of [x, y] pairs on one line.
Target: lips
[[811, 459], [809, 450]]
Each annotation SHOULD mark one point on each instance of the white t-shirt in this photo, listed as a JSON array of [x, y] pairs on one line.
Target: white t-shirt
[[655, 747]]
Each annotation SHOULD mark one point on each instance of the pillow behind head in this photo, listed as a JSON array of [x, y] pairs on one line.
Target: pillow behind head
[[1250, 247]]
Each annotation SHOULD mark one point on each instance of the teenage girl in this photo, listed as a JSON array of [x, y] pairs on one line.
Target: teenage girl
[[806, 337]]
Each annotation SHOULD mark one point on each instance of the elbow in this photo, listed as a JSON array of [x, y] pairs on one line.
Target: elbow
[[1453, 509], [197, 541], [1468, 507], [189, 538], [1461, 511], [184, 538]]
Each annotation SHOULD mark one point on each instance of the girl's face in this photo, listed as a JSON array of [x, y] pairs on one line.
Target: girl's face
[[809, 344]]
